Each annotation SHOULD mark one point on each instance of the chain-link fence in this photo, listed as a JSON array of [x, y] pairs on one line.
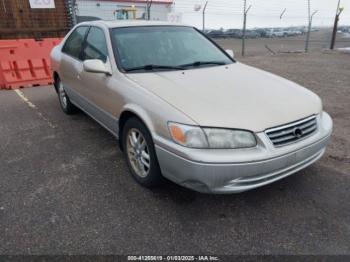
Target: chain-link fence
[[270, 29], [275, 40], [271, 26], [281, 38], [19, 20], [320, 38]]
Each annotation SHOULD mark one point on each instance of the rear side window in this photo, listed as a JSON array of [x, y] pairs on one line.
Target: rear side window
[[75, 41], [95, 46]]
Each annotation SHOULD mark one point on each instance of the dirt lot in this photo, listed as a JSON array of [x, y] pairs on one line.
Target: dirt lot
[[65, 187], [327, 74]]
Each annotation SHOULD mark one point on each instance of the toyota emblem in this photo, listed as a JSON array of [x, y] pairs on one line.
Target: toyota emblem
[[297, 132]]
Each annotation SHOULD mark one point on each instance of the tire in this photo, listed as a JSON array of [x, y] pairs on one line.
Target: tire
[[65, 103], [140, 154]]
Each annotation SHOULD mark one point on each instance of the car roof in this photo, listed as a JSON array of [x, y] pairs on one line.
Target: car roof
[[130, 23]]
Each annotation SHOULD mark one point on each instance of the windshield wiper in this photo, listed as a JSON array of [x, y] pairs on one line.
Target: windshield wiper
[[152, 67], [200, 63]]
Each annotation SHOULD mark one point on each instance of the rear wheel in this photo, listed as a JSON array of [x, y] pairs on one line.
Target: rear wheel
[[65, 103], [140, 153]]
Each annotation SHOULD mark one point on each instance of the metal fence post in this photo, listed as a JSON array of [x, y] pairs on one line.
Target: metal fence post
[[335, 27], [71, 12], [148, 6], [245, 12], [203, 16], [309, 32]]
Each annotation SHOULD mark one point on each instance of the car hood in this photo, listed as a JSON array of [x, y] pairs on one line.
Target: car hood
[[232, 96]]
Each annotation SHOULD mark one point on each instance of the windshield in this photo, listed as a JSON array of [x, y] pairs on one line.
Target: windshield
[[164, 48]]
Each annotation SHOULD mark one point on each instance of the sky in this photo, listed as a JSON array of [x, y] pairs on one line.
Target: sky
[[263, 13]]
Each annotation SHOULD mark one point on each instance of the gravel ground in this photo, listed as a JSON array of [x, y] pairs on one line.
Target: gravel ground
[[65, 188], [326, 73]]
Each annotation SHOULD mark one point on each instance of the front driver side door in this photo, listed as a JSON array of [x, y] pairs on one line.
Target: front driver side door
[[99, 100]]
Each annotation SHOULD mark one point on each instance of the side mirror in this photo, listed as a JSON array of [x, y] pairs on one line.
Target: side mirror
[[95, 66], [230, 53]]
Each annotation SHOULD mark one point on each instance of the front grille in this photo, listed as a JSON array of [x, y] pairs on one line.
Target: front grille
[[292, 132]]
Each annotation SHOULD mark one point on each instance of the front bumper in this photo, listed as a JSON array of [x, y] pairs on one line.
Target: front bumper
[[238, 170]]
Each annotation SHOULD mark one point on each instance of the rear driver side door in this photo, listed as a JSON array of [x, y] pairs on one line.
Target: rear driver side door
[[71, 63]]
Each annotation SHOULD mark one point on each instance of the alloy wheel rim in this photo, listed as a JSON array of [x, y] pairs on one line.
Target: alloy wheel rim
[[138, 153], [63, 96]]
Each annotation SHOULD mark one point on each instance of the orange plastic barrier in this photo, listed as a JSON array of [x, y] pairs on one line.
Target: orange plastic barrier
[[25, 62]]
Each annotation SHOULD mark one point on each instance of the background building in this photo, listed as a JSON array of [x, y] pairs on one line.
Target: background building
[[117, 9]]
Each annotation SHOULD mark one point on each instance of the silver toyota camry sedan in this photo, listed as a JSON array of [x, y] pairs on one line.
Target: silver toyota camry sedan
[[184, 109]]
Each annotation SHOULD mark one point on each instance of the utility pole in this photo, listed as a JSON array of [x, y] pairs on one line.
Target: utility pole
[[335, 27], [245, 12], [309, 32], [203, 15]]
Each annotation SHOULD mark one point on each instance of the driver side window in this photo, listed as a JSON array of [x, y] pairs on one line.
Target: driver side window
[[75, 41], [95, 45]]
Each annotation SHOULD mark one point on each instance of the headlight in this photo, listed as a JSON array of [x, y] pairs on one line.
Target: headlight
[[190, 136], [227, 138], [196, 137]]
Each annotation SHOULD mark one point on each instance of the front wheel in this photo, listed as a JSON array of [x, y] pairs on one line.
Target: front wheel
[[65, 103], [140, 154]]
